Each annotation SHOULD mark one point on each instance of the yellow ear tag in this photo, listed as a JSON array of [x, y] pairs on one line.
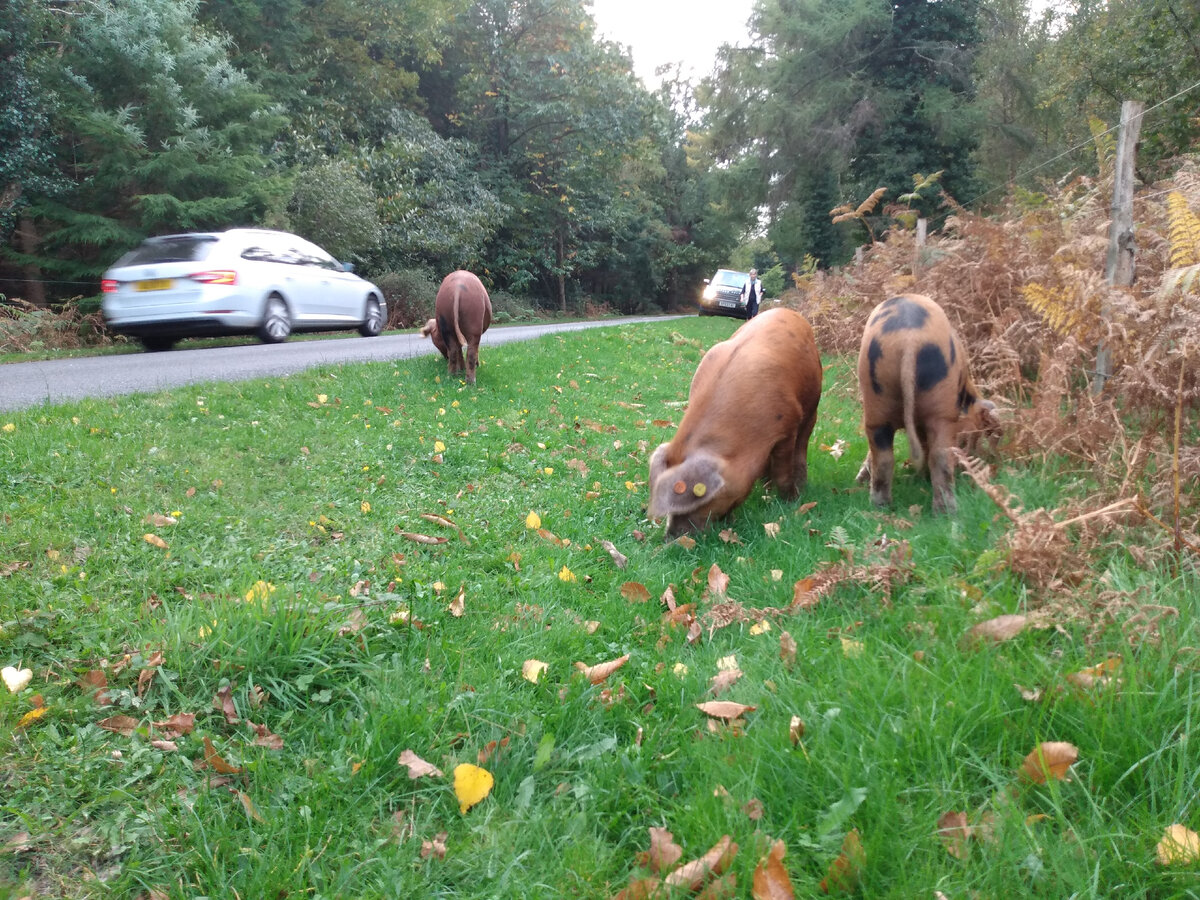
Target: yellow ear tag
[[700, 489]]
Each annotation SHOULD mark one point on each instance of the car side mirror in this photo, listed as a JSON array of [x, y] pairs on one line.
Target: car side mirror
[[347, 267]]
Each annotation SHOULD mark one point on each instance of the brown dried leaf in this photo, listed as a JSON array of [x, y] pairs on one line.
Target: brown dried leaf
[[216, 762], [635, 592], [690, 876], [599, 672], [846, 871], [1049, 760], [490, 748], [458, 604], [123, 725], [729, 536], [1180, 846], [423, 538], [158, 520], [726, 710], [264, 737], [754, 809], [550, 536], [954, 832], [1001, 628], [617, 557], [436, 847], [155, 541], [687, 543], [723, 681], [804, 595], [718, 582], [663, 852], [771, 881], [248, 805], [224, 702], [796, 730], [177, 725], [641, 889], [417, 767], [444, 522], [95, 682], [787, 649], [165, 746]]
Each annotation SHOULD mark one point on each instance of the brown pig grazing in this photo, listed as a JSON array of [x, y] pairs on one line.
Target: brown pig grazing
[[462, 313], [913, 373], [751, 410]]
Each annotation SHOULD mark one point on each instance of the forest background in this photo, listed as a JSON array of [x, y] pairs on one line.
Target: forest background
[[413, 137]]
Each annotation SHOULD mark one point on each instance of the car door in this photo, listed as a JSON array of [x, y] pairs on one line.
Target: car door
[[285, 273], [337, 297]]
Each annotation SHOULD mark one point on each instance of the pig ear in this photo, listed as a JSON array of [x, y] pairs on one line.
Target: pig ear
[[686, 487], [990, 417]]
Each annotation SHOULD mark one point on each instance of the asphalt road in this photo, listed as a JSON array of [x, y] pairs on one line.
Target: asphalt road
[[23, 385]]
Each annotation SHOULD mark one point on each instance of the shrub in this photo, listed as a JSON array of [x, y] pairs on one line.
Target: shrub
[[25, 327], [508, 308], [410, 294]]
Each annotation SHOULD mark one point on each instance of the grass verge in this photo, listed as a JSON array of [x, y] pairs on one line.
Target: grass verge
[[282, 603]]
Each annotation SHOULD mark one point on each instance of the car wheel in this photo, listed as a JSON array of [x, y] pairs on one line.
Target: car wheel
[[277, 321], [372, 323], [157, 344]]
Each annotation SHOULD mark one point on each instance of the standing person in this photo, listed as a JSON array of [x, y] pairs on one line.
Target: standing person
[[752, 293]]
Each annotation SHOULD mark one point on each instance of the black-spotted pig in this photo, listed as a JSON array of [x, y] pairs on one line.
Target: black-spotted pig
[[913, 373]]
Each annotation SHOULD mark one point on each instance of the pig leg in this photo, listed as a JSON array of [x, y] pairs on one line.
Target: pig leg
[[882, 460], [472, 361], [782, 468], [455, 355], [941, 468], [800, 464]]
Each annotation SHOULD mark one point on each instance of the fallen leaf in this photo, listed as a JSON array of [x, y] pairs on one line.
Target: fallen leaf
[[155, 541], [663, 852], [458, 604], [718, 581], [691, 876], [532, 669], [177, 725], [724, 709], [417, 767], [851, 649], [248, 805], [1049, 760], [787, 649], [444, 522], [533, 520], [491, 747], [954, 832], [16, 679], [18, 843], [635, 592], [96, 681], [471, 785], [598, 673], [771, 528], [617, 557], [687, 543], [641, 889], [32, 716], [727, 663], [423, 538], [804, 595], [754, 809], [158, 520], [999, 629], [224, 702], [216, 762], [846, 871], [264, 737], [729, 536], [1180, 846], [722, 888], [723, 681], [796, 730], [436, 847], [771, 881], [760, 627], [165, 746], [123, 725]]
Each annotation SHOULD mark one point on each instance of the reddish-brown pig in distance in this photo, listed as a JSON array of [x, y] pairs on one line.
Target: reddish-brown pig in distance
[[751, 410], [462, 313], [913, 373]]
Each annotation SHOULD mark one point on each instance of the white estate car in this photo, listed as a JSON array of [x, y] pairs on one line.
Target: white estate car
[[240, 281]]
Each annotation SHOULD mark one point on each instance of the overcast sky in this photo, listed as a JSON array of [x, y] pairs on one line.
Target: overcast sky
[[669, 31]]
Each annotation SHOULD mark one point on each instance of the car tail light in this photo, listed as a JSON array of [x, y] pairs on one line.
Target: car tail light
[[216, 276], [109, 285]]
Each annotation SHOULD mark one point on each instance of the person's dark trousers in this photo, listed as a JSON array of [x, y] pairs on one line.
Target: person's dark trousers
[[752, 308]]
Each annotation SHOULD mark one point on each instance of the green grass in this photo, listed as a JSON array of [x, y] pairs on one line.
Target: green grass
[[271, 483]]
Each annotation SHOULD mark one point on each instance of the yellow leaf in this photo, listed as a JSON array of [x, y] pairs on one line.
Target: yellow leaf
[[760, 627], [565, 574], [471, 785], [851, 649], [155, 541], [365, 506], [439, 447], [32, 716], [260, 591], [1180, 846], [533, 520], [532, 670]]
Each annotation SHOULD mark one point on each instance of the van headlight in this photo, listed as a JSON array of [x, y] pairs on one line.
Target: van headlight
[[710, 293]]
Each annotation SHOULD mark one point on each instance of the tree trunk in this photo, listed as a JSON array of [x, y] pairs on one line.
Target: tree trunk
[[27, 237], [561, 258]]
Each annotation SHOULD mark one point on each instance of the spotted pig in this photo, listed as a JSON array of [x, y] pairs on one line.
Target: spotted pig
[[913, 373], [751, 411]]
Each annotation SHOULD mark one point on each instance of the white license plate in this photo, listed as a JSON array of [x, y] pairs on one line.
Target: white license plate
[[154, 284], [729, 304]]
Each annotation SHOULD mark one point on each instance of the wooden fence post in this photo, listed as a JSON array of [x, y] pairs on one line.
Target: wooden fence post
[[1118, 270]]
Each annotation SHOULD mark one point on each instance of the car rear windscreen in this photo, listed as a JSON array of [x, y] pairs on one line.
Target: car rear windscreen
[[175, 248]]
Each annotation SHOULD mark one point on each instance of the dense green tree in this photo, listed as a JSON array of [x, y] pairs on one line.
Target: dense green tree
[[335, 208], [154, 131]]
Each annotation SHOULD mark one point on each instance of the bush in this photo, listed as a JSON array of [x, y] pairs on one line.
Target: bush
[[508, 308], [25, 327], [410, 294]]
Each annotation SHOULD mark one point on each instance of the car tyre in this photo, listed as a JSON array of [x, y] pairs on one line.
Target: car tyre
[[156, 344], [276, 324], [372, 323]]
